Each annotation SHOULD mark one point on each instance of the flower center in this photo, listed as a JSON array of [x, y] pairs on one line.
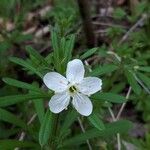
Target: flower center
[[72, 89]]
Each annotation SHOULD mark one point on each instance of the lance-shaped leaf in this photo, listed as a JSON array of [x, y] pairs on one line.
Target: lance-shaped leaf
[[26, 65], [14, 99], [36, 55], [11, 144], [132, 81], [110, 97], [21, 84], [105, 69], [121, 126], [11, 118], [69, 119], [45, 129], [96, 121]]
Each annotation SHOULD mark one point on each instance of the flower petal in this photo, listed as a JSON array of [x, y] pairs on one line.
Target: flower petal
[[59, 102], [55, 81], [82, 104], [90, 85], [75, 71]]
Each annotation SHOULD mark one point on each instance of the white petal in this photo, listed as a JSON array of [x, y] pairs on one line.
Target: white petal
[[82, 104], [75, 71], [90, 85], [59, 102], [55, 81]]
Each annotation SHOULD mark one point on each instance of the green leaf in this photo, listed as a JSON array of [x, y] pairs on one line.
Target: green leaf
[[121, 126], [145, 69], [105, 69], [21, 84], [36, 55], [144, 78], [11, 144], [11, 118], [9, 132], [25, 64], [119, 13], [96, 121], [117, 88], [110, 97], [69, 47], [55, 42], [39, 106], [132, 81], [46, 129], [88, 53], [14, 99], [70, 118]]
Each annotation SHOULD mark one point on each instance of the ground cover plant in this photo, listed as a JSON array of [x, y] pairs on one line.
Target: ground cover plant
[[74, 75]]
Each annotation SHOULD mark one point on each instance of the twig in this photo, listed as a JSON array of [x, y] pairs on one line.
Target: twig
[[83, 130], [138, 23], [112, 114], [22, 136], [118, 116], [124, 104], [108, 24], [118, 135], [84, 8], [118, 141]]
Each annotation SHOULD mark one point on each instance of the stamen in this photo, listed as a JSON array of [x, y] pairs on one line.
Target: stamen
[[72, 89]]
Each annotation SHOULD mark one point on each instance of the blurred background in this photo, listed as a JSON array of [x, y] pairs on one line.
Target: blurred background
[[119, 28]]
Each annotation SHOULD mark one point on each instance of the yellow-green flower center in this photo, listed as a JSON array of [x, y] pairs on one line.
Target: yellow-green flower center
[[72, 89]]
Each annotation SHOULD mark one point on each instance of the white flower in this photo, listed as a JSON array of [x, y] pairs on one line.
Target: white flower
[[74, 88]]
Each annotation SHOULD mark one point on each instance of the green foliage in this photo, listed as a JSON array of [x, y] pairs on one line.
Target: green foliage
[[119, 13], [14, 99], [119, 65], [11, 118], [105, 69], [96, 121], [132, 81], [11, 144], [20, 84], [45, 129], [110, 97], [121, 126], [70, 118]]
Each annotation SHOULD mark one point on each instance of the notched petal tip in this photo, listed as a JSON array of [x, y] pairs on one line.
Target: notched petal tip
[[75, 71], [82, 104]]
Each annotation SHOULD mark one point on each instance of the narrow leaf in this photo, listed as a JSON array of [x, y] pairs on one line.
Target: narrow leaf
[[110, 97], [145, 69], [25, 64], [88, 53], [39, 106], [144, 78], [96, 121], [132, 81], [20, 84], [46, 129], [121, 126], [105, 69], [11, 118], [70, 118], [69, 47], [14, 99], [11, 144], [36, 55]]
